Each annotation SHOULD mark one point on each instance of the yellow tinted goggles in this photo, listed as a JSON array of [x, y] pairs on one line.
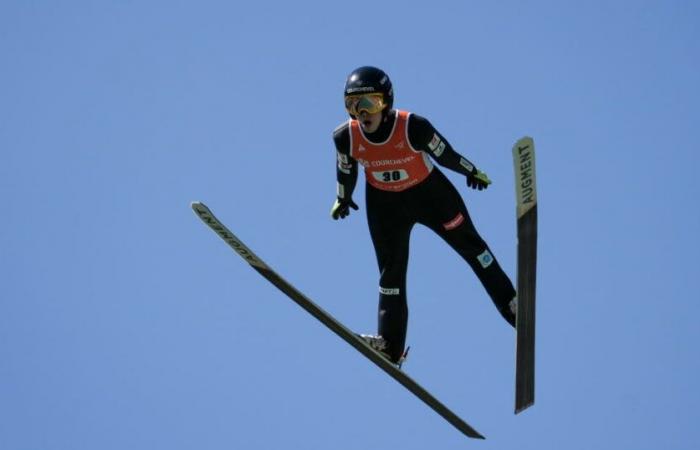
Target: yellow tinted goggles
[[370, 103]]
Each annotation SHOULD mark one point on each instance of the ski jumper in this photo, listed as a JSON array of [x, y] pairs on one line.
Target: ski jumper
[[404, 188]]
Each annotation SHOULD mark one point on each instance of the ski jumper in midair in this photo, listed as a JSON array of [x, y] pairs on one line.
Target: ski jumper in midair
[[404, 188]]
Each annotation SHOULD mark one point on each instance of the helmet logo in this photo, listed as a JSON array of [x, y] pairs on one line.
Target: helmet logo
[[360, 89]]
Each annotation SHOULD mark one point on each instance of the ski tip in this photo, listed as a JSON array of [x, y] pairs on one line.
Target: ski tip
[[199, 208]]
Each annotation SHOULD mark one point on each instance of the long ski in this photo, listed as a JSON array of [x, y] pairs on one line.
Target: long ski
[[526, 191], [329, 321]]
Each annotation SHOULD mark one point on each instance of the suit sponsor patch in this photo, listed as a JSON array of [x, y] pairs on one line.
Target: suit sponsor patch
[[343, 163], [454, 223], [440, 148], [389, 291], [466, 164], [434, 142], [485, 259]]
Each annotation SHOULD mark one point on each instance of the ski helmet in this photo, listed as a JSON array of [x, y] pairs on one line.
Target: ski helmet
[[368, 80]]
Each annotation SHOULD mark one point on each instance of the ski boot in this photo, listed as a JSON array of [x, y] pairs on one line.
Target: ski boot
[[377, 343], [380, 345], [513, 306], [509, 311]]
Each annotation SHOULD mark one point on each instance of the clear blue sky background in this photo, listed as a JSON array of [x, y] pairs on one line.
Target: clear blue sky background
[[126, 324]]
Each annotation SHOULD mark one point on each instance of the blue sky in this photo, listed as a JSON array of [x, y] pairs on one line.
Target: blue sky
[[125, 323]]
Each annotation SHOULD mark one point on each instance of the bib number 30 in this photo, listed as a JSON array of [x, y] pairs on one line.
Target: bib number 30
[[391, 176]]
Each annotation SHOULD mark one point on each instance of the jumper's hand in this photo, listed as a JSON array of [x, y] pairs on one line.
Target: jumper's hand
[[478, 180], [341, 208]]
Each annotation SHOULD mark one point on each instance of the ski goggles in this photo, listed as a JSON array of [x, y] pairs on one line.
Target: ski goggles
[[370, 103]]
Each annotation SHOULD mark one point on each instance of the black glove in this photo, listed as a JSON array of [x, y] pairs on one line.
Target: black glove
[[341, 208], [478, 180]]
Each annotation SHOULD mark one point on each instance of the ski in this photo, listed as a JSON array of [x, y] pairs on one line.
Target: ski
[[526, 191], [205, 214]]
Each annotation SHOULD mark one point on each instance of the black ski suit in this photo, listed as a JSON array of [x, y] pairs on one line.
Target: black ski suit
[[431, 200]]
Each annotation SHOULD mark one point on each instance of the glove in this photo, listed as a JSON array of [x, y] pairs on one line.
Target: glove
[[478, 180], [341, 208]]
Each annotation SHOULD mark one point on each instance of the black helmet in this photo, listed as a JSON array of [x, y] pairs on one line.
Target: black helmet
[[368, 79]]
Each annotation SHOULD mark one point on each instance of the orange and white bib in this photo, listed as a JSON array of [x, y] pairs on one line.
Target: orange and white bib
[[392, 165]]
